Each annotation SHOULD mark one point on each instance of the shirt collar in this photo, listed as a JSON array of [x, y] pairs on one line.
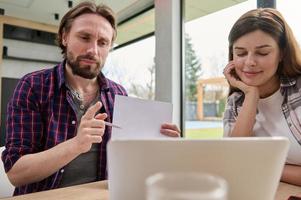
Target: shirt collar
[[102, 80], [287, 81], [61, 73]]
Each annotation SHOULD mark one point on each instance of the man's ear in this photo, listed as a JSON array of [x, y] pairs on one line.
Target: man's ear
[[64, 38]]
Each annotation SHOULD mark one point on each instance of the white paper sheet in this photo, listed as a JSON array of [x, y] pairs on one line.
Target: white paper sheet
[[139, 118]]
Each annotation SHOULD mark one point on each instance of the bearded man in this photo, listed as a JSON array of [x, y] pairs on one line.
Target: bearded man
[[56, 134]]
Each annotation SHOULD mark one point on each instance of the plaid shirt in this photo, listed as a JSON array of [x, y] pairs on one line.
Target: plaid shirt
[[290, 89], [40, 116]]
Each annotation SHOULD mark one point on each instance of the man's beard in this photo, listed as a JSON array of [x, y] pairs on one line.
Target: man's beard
[[84, 71]]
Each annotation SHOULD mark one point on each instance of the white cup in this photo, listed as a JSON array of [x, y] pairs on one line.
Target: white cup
[[185, 186]]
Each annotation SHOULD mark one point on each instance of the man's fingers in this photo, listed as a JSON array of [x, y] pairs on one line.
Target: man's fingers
[[95, 131], [101, 116], [170, 130], [92, 111], [95, 139], [95, 124], [170, 133], [170, 126]]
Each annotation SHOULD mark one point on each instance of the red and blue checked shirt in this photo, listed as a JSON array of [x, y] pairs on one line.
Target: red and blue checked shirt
[[40, 116]]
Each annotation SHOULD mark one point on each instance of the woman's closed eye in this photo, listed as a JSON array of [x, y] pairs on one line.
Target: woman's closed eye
[[260, 53], [263, 53], [241, 54]]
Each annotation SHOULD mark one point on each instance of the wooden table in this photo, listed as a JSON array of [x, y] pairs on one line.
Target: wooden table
[[89, 191], [285, 190], [99, 191]]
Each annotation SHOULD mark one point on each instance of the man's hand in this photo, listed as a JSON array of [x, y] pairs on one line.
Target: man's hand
[[28, 168], [91, 128], [170, 130]]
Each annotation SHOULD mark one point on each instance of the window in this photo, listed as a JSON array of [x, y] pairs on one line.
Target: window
[[206, 54], [291, 12], [131, 63], [133, 67]]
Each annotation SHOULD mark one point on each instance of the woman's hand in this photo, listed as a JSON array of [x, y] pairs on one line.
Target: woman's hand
[[170, 130], [235, 81], [246, 118]]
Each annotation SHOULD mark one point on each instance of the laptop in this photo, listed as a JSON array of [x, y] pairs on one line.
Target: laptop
[[251, 166]]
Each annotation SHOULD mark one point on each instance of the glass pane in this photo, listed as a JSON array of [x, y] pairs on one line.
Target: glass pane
[[206, 54], [133, 67], [291, 12]]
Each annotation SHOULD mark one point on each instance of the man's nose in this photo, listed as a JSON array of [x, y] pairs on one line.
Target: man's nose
[[92, 48]]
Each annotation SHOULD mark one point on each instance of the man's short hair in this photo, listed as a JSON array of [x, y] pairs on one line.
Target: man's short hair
[[85, 8]]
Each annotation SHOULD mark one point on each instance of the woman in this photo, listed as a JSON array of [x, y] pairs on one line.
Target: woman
[[265, 84]]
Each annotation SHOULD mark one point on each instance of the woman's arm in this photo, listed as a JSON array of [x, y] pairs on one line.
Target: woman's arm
[[246, 118], [291, 174]]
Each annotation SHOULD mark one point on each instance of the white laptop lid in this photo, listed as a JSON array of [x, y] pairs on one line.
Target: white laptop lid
[[251, 166]]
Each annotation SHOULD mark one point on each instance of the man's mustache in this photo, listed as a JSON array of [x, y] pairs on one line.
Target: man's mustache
[[89, 57]]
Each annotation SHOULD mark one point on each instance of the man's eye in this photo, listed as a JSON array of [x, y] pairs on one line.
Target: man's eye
[[103, 43], [84, 38]]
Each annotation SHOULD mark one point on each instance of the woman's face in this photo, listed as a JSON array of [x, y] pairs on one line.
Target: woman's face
[[256, 56]]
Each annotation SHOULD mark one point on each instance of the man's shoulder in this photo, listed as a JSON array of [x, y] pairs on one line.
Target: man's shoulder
[[111, 82], [40, 75], [116, 87]]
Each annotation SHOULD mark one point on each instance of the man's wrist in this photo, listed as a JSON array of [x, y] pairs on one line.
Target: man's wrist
[[74, 146]]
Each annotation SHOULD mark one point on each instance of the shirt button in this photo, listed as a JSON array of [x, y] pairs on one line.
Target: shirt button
[[73, 122], [62, 170], [82, 106]]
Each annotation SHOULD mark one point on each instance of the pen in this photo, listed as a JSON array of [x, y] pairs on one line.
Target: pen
[[112, 125]]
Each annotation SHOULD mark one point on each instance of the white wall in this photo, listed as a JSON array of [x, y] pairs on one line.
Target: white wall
[[17, 68], [31, 50]]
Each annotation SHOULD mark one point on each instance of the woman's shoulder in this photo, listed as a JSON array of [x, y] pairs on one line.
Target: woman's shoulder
[[291, 83], [298, 81]]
